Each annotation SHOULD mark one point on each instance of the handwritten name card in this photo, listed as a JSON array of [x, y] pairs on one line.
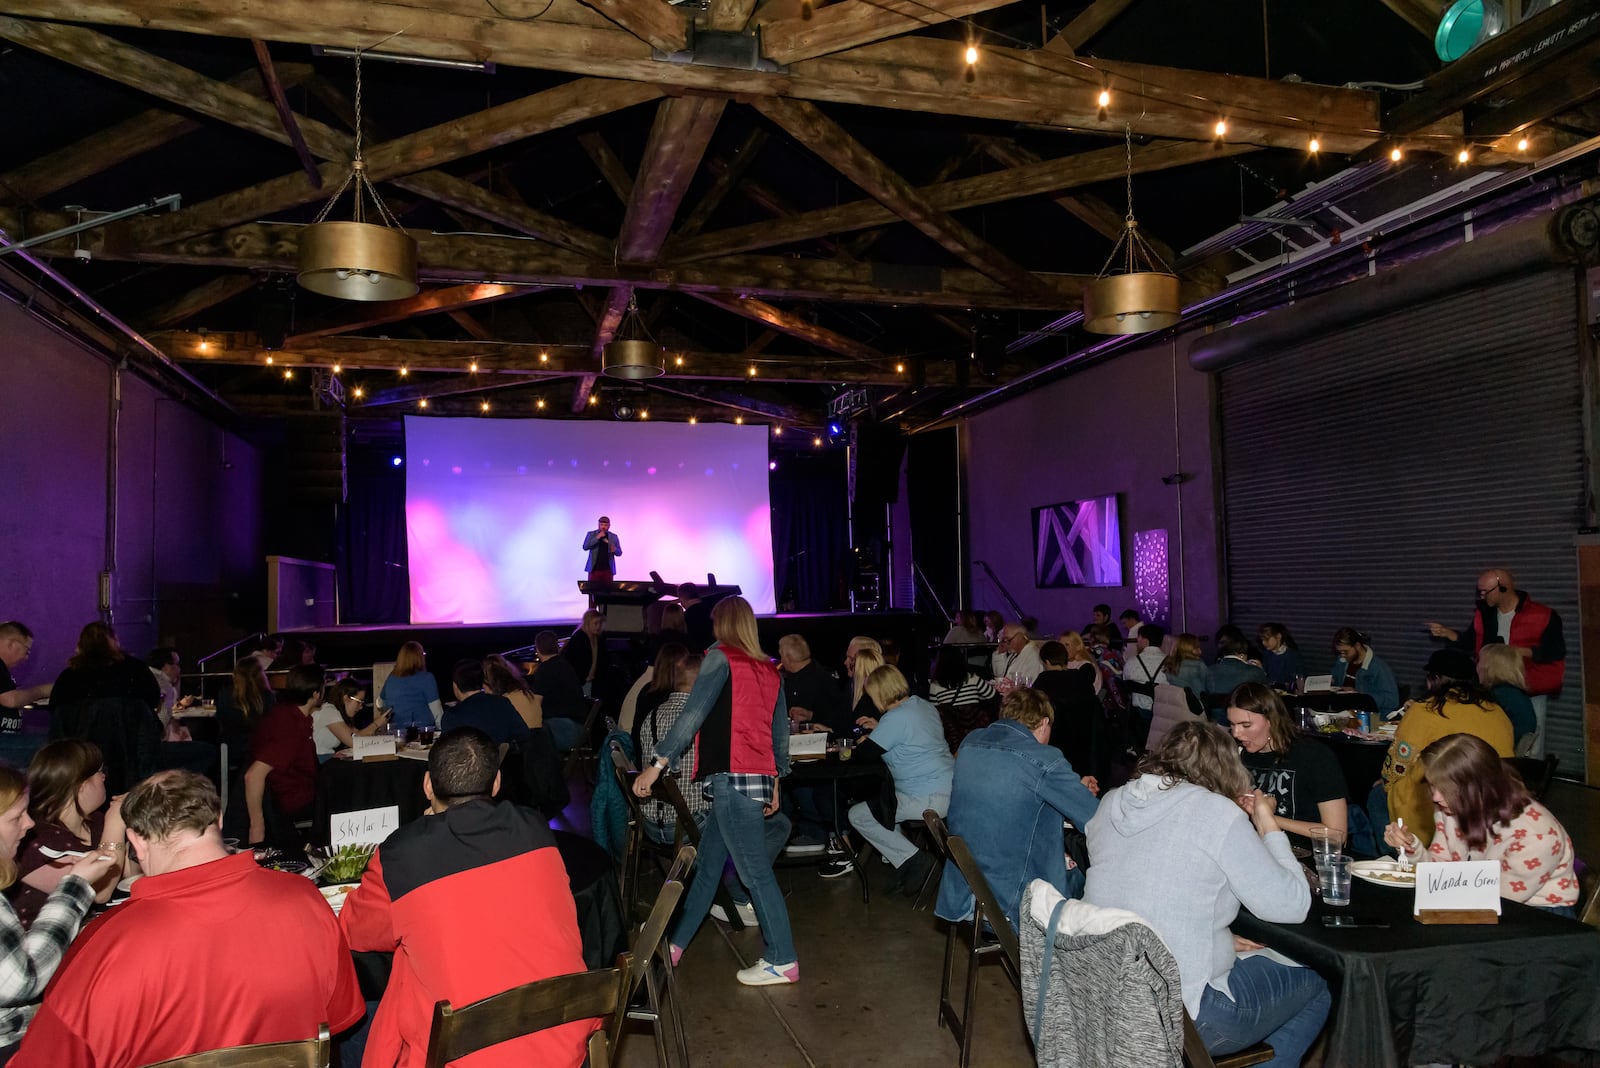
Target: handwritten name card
[[372, 745], [370, 826], [1458, 886]]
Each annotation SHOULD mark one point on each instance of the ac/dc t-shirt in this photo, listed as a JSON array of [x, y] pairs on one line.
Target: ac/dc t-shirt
[[1300, 779]]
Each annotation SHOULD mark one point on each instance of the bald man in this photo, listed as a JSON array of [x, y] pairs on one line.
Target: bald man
[[1016, 657], [1507, 614]]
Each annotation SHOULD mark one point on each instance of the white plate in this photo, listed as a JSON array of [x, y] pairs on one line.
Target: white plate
[[126, 885], [334, 895], [1383, 873]]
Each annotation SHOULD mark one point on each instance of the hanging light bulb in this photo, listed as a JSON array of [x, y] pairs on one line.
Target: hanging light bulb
[[337, 368], [423, 403], [539, 404], [288, 373], [204, 345], [738, 420], [972, 55], [1314, 146], [1221, 127], [816, 443], [644, 413], [336, 258], [1105, 99], [269, 361], [677, 361], [404, 371], [484, 406], [360, 393], [899, 368], [594, 399], [1463, 156], [473, 367], [544, 357], [1522, 144], [1395, 154], [693, 420], [777, 431], [752, 370]]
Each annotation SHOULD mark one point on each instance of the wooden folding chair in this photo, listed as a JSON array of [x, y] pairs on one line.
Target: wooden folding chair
[[308, 1053], [639, 844], [584, 753], [986, 911], [651, 954]]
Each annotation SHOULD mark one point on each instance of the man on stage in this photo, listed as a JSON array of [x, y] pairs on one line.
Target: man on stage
[[602, 545]]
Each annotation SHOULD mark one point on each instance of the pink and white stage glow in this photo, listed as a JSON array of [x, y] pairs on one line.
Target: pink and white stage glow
[[496, 511]]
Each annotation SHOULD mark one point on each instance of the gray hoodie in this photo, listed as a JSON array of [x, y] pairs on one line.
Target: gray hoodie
[[1185, 859]]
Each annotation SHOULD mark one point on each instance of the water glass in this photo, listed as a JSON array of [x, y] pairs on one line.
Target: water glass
[[845, 748], [1335, 876], [1325, 842]]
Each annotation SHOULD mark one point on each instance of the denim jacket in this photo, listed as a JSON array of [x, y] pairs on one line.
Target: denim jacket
[[1009, 798], [1373, 679]]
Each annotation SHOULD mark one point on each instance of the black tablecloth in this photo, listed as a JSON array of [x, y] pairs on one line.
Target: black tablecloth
[[1332, 701], [593, 880], [814, 772], [1360, 761], [353, 785], [1412, 993]]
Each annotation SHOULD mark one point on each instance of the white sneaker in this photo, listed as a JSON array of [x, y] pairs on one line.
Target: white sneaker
[[747, 914], [763, 974]]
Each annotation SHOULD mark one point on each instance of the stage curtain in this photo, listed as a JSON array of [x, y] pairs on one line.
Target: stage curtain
[[809, 531], [373, 580]]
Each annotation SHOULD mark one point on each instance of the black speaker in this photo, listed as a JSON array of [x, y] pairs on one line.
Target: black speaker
[[881, 449], [989, 346], [275, 313]]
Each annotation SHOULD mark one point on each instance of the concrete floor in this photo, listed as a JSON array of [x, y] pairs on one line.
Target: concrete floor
[[868, 991]]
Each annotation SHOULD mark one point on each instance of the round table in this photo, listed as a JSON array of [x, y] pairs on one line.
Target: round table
[[354, 785]]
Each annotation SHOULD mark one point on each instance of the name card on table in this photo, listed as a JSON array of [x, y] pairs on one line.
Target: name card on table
[[363, 746], [370, 826], [1461, 891]]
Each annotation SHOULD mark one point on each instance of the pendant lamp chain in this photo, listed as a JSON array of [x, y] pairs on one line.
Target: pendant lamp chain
[[358, 174], [1137, 254]]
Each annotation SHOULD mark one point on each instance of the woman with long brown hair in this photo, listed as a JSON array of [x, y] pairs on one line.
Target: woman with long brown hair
[[28, 960], [1184, 846], [99, 669], [1483, 811], [504, 679], [410, 692], [1300, 775], [738, 720], [67, 803]]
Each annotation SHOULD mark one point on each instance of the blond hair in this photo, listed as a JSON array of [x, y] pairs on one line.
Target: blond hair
[[12, 786], [1028, 707], [886, 686], [794, 647], [867, 661], [733, 622], [1199, 752], [410, 660], [1077, 648], [1186, 647], [1501, 664]]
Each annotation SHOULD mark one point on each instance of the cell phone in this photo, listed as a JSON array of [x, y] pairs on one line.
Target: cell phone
[[1340, 920]]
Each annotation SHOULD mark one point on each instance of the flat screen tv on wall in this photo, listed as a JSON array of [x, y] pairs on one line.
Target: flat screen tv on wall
[[1077, 543]]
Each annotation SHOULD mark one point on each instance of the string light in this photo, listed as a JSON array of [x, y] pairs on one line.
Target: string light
[[337, 368], [677, 361], [1314, 146], [544, 357], [1395, 154], [1522, 144], [693, 420], [360, 393], [739, 420], [816, 443], [1105, 99], [204, 346], [473, 367], [484, 406], [540, 403], [777, 431], [423, 403], [593, 399], [1222, 127], [644, 413], [752, 370], [404, 371], [287, 374], [899, 368], [972, 55], [269, 361]]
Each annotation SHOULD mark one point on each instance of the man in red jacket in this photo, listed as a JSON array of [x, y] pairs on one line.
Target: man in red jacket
[[472, 899], [1507, 614]]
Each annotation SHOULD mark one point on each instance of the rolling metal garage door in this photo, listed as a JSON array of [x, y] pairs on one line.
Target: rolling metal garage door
[[1370, 475]]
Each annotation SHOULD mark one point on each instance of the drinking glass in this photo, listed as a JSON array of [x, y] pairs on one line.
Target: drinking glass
[[845, 748], [411, 734], [1325, 842], [1335, 875]]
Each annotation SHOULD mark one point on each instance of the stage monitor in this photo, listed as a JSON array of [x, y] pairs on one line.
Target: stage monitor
[[496, 511], [1077, 543]]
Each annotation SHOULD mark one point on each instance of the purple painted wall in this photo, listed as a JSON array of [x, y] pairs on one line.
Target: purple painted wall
[[1119, 427], [188, 502]]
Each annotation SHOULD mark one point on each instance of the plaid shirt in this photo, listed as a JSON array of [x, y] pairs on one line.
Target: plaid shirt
[[651, 730], [29, 958], [755, 787]]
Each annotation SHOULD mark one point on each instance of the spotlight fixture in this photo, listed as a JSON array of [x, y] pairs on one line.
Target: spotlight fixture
[[633, 355], [772, 465], [1143, 295], [620, 410], [835, 429], [358, 260], [396, 461], [1468, 24]]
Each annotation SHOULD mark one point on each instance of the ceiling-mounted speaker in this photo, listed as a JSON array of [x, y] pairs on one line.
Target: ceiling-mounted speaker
[[274, 313]]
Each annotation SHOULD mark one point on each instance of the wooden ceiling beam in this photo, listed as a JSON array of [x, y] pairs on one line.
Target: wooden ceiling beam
[[470, 325], [738, 402], [606, 325], [908, 73], [728, 176], [166, 80], [858, 22], [477, 258], [450, 387], [1085, 25], [606, 162], [1046, 177], [729, 16], [286, 116], [859, 245], [796, 326], [507, 357], [99, 152], [806, 123], [206, 295], [655, 22], [428, 302]]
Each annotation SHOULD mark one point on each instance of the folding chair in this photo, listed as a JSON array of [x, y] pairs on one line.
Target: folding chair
[[584, 753], [659, 985], [308, 1053], [639, 843]]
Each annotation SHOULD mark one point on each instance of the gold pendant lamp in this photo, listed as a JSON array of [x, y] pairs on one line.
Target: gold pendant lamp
[[632, 357], [1143, 295], [358, 260]]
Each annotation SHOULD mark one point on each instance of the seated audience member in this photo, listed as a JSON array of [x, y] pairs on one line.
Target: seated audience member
[[1130, 622], [334, 724], [267, 650], [210, 950], [67, 803], [1079, 656], [1146, 665], [489, 713], [504, 679], [671, 628], [1010, 793], [283, 758], [954, 683], [16, 642], [292, 652], [1500, 668], [1101, 617], [411, 903], [410, 692], [993, 623], [911, 740], [1175, 847], [670, 677], [166, 667], [1283, 664], [100, 669], [860, 662], [1233, 666], [1359, 668], [1015, 658], [1299, 774], [562, 705], [813, 692], [1185, 666], [1106, 646], [585, 651], [1482, 811], [1076, 714], [29, 957], [241, 706], [965, 630], [1455, 704]]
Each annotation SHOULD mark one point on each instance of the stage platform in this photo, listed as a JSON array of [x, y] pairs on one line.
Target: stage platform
[[828, 633]]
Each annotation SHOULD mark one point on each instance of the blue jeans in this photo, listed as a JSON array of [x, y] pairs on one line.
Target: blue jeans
[[1286, 1007], [775, 830], [737, 828]]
